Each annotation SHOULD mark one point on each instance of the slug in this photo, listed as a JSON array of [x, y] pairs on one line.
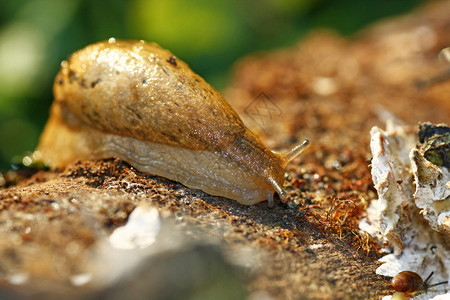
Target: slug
[[138, 102]]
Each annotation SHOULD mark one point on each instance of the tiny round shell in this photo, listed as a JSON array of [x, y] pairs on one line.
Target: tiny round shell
[[407, 281], [410, 283], [138, 102]]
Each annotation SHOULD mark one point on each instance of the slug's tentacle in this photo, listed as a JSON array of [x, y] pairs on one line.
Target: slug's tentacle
[[269, 197], [294, 152], [286, 158], [277, 187]]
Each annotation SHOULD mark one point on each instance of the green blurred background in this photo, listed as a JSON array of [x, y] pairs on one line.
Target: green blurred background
[[36, 35]]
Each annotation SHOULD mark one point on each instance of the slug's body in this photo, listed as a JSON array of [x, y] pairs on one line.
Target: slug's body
[[136, 101]]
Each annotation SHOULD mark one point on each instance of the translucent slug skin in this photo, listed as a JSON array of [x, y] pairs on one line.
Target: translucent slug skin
[[136, 101]]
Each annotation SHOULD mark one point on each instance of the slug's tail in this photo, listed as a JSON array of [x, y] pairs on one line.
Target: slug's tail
[[291, 154]]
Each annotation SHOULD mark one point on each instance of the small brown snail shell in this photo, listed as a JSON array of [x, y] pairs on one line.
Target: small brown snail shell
[[407, 281], [410, 282], [136, 101]]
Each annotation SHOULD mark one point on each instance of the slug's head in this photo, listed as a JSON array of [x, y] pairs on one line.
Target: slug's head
[[286, 158], [272, 179]]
